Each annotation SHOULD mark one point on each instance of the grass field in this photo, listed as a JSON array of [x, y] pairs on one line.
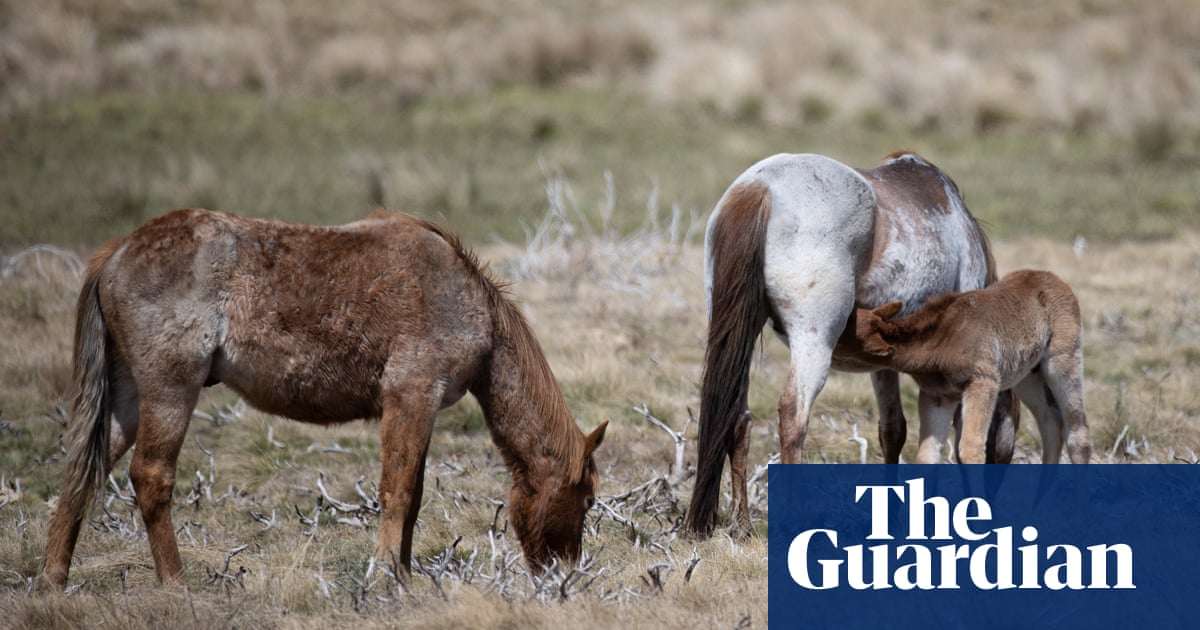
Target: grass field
[[579, 150], [625, 342]]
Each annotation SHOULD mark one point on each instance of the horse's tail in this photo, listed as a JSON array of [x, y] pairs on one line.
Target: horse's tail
[[87, 431], [738, 311]]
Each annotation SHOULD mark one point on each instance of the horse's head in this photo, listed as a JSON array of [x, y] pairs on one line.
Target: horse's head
[[548, 513]]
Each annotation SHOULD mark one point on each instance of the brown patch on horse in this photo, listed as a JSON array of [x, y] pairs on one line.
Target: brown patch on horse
[[906, 178], [739, 310]]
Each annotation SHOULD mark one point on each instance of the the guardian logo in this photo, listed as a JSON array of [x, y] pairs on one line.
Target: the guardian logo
[[945, 546]]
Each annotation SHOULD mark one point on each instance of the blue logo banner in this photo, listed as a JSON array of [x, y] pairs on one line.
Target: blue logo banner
[[1018, 546]]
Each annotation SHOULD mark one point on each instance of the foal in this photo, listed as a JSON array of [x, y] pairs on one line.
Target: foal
[[1022, 332]]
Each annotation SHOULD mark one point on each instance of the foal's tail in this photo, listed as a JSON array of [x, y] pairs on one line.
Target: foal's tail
[[738, 311], [88, 428]]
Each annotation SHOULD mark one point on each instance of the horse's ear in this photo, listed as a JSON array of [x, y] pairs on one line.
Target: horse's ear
[[594, 439], [590, 443], [889, 310], [875, 345]]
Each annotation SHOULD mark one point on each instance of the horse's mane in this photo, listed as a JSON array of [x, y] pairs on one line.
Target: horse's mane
[[562, 434]]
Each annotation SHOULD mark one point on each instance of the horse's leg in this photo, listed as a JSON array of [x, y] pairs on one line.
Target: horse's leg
[[1002, 433], [893, 428], [67, 520], [125, 405], [737, 469], [1033, 392], [978, 403], [1063, 372], [806, 377], [812, 308], [406, 428], [937, 415], [163, 417]]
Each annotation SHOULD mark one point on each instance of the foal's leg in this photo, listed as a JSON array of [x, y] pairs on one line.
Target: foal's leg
[[162, 425], [1064, 378], [937, 415], [1034, 393], [406, 428], [978, 403], [893, 428]]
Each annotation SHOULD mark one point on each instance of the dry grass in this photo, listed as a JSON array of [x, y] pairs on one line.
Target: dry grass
[[931, 65], [277, 519]]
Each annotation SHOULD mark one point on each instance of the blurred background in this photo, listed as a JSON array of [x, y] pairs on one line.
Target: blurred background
[[1064, 119]]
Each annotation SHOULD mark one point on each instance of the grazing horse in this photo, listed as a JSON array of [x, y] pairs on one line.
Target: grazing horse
[[388, 317], [1024, 332], [800, 240]]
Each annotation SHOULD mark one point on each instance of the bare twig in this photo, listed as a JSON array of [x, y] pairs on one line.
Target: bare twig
[[862, 444], [1117, 442], [693, 562], [677, 436], [8, 266]]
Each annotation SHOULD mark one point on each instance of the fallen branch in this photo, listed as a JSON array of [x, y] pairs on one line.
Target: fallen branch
[[677, 436]]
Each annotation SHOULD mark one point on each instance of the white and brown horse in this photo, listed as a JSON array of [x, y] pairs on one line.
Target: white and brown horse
[[801, 240], [1022, 333], [388, 317]]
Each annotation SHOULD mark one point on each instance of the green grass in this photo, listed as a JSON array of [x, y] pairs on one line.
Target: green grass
[[84, 170]]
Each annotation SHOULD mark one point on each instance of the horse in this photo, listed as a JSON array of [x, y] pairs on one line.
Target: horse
[[390, 317], [1022, 333], [800, 240]]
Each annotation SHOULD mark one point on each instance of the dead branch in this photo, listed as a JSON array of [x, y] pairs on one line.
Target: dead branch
[[676, 472]]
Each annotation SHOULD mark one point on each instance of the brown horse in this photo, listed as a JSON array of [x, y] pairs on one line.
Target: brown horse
[[388, 317], [1023, 332]]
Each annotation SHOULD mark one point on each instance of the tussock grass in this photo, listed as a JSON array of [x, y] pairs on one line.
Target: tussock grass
[[927, 65]]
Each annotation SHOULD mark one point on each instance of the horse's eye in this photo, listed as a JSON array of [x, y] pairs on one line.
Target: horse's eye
[[590, 502]]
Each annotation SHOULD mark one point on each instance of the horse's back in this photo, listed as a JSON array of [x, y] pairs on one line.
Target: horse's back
[[926, 242], [304, 321], [1015, 319], [1043, 292]]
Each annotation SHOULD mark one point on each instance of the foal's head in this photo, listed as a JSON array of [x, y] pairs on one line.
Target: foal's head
[[548, 513], [864, 334]]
